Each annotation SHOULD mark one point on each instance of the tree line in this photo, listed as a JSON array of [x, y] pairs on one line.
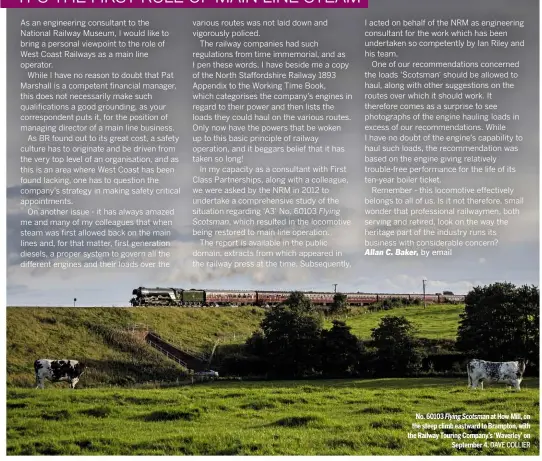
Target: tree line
[[500, 322]]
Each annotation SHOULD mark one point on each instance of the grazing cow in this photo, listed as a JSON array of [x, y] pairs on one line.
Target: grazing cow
[[58, 370], [511, 373]]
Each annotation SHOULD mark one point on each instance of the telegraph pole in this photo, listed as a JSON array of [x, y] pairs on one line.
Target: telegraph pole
[[424, 282], [335, 285]]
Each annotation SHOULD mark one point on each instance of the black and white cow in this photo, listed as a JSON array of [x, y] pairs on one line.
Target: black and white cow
[[510, 373], [58, 370]]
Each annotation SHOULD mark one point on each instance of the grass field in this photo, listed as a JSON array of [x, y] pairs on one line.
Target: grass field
[[193, 327], [333, 417], [437, 321], [82, 333], [317, 417]]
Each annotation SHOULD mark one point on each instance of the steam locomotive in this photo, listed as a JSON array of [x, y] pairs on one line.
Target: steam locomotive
[[181, 297]]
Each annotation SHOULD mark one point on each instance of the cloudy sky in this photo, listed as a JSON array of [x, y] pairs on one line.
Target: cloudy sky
[[515, 258]]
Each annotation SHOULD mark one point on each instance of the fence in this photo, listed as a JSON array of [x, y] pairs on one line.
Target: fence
[[232, 337], [195, 354], [167, 353], [198, 355]]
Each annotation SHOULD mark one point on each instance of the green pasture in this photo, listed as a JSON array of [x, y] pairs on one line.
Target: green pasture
[[85, 334], [325, 417], [436, 321]]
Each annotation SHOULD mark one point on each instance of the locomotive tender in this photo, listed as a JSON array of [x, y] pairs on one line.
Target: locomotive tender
[[181, 297]]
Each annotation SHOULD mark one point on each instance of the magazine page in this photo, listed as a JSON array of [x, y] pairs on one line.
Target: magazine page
[[271, 227]]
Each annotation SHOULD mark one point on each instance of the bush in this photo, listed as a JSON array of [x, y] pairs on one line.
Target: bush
[[501, 322], [244, 365], [397, 351], [290, 338], [392, 303], [339, 305], [445, 362], [341, 350]]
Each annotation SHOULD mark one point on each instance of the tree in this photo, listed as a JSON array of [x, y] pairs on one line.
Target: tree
[[339, 305], [298, 301], [341, 350], [256, 344], [397, 353], [527, 336], [501, 322], [290, 336]]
